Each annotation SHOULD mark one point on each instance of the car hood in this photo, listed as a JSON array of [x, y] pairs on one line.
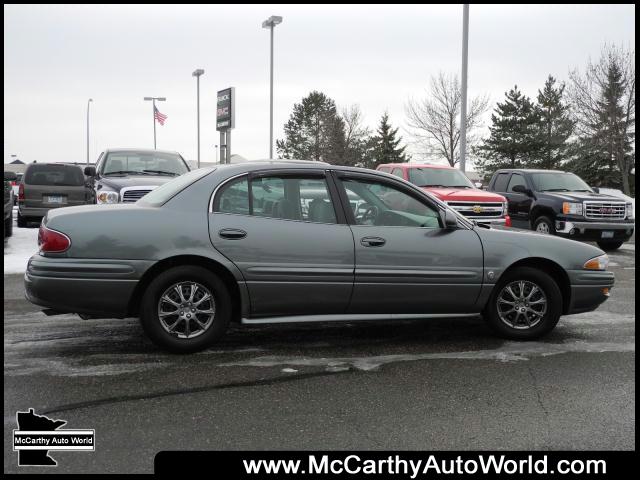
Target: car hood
[[582, 196], [464, 195], [117, 183]]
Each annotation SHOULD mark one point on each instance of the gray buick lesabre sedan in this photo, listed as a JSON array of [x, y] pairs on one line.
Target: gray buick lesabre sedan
[[288, 241]]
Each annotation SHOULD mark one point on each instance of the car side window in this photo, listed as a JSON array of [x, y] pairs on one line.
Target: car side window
[[500, 184], [291, 198], [516, 179], [234, 198], [383, 205], [397, 172]]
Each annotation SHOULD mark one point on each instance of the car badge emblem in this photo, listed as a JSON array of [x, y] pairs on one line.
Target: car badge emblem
[[477, 209]]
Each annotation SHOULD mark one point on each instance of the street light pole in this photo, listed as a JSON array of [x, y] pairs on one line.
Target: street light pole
[[153, 112], [197, 74], [463, 108], [88, 104], [270, 23]]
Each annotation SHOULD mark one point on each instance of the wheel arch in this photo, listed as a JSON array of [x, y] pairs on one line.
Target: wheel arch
[[541, 210], [551, 268], [225, 275]]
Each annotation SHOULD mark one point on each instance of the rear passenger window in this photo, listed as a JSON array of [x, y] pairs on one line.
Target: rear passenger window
[[500, 184], [59, 175], [234, 198]]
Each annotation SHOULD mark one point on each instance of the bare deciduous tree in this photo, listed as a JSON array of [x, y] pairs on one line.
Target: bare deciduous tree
[[356, 135], [434, 121]]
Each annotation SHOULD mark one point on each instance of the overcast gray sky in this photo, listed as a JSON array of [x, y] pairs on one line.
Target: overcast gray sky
[[377, 56]]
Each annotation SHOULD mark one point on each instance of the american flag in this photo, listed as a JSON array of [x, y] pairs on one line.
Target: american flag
[[160, 117]]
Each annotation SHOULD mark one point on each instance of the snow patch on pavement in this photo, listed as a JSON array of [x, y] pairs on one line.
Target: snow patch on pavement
[[18, 249]]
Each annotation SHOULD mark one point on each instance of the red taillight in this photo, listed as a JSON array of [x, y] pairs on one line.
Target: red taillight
[[21, 192], [50, 241], [507, 221]]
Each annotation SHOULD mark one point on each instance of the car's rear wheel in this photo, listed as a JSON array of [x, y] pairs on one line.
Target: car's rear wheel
[[185, 309], [8, 226], [544, 225], [525, 304], [22, 222], [610, 246]]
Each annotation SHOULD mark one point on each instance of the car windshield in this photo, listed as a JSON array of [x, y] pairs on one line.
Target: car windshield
[[439, 177], [559, 182], [144, 163], [51, 174], [162, 194]]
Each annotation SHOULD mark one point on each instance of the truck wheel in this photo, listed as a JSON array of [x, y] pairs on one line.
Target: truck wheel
[[610, 246], [544, 225], [525, 304], [22, 222], [185, 309], [8, 226]]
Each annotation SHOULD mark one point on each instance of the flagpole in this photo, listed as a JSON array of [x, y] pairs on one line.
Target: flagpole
[[153, 112]]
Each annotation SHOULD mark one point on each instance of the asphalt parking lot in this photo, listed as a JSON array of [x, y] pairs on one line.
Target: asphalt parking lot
[[433, 384]]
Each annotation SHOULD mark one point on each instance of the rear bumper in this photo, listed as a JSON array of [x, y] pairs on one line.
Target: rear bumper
[[94, 287], [589, 290], [32, 211]]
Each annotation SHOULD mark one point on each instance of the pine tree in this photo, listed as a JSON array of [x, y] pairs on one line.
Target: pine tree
[[514, 139], [385, 147], [555, 125], [314, 131]]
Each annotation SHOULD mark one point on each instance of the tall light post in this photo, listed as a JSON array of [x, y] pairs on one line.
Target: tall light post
[[197, 74], [216, 149], [270, 23], [88, 104], [153, 112], [463, 108]]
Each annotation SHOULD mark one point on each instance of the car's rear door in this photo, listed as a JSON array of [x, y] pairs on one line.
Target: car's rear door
[[406, 262], [293, 246]]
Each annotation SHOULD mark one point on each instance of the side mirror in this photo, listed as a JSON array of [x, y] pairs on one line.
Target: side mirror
[[521, 189], [450, 220], [595, 189], [90, 171], [10, 176]]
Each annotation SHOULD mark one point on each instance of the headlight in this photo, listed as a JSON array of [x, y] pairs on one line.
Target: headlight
[[598, 263], [629, 210], [569, 208], [107, 197]]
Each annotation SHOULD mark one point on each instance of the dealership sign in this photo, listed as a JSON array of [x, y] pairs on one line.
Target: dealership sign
[[225, 111]]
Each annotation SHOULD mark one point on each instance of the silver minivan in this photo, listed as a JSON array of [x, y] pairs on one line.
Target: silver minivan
[[50, 185]]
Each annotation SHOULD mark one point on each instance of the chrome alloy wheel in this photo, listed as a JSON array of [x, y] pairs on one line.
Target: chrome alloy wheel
[[186, 309], [522, 304], [543, 227]]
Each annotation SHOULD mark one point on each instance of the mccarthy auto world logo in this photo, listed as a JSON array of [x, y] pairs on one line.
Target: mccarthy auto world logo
[[37, 434]]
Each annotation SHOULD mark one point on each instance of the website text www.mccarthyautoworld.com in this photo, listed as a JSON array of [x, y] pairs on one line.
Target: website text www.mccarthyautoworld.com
[[431, 465]]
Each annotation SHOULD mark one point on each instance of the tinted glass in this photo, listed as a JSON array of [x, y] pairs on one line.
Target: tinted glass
[[303, 199], [379, 204], [234, 198], [439, 177], [397, 172], [516, 179], [559, 182], [49, 174], [500, 184], [149, 163], [160, 195]]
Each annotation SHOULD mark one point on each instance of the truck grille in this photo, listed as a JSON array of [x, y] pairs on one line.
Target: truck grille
[[478, 209], [130, 196], [605, 210]]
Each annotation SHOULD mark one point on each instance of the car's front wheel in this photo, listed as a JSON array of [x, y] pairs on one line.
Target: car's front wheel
[[544, 225], [185, 309], [610, 246], [525, 304]]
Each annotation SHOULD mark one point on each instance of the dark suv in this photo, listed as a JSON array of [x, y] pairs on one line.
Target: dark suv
[[561, 203], [125, 175], [50, 185]]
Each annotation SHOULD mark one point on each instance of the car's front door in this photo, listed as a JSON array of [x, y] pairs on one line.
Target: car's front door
[[294, 248], [406, 261]]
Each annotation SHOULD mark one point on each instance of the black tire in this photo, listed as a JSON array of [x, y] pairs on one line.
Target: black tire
[[22, 222], [549, 319], [8, 226], [149, 309], [610, 246], [545, 222]]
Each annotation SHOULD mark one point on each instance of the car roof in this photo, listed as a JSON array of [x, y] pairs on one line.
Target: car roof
[[142, 150], [529, 170], [416, 165]]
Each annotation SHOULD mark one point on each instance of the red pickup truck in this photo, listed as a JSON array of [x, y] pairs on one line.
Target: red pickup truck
[[453, 187]]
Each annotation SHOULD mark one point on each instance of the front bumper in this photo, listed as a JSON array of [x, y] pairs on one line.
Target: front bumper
[[593, 230], [95, 287], [589, 289]]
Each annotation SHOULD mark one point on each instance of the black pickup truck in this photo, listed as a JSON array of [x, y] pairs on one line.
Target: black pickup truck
[[561, 203]]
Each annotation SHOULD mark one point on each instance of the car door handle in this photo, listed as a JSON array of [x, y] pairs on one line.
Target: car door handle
[[372, 242], [232, 233]]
